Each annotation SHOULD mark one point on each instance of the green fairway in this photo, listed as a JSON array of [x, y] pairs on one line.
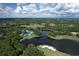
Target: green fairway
[[48, 52], [59, 37]]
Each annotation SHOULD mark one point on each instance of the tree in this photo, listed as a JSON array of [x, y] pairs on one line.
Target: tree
[[31, 50], [10, 45]]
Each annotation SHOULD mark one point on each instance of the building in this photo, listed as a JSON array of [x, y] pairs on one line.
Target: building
[[26, 33]]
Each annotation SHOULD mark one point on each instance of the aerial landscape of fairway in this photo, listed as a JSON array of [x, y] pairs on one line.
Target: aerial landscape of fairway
[[39, 37]]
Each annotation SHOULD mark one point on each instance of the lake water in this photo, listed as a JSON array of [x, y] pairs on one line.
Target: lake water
[[65, 45]]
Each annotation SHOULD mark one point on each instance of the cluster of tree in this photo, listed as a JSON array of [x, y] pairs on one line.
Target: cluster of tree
[[10, 45], [31, 50]]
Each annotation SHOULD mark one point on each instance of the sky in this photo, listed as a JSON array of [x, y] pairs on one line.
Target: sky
[[39, 10]]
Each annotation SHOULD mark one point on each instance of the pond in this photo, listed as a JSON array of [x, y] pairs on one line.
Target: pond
[[65, 45]]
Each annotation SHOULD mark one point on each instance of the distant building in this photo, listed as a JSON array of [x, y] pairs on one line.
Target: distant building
[[29, 32], [26, 32]]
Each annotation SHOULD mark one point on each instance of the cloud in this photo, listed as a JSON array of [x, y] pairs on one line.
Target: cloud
[[6, 9], [48, 8], [43, 9], [68, 7], [26, 8]]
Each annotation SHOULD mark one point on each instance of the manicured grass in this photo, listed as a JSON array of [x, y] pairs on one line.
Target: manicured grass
[[48, 52], [65, 37], [31, 36]]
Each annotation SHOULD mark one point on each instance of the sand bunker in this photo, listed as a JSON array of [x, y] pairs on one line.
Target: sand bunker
[[47, 46]]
